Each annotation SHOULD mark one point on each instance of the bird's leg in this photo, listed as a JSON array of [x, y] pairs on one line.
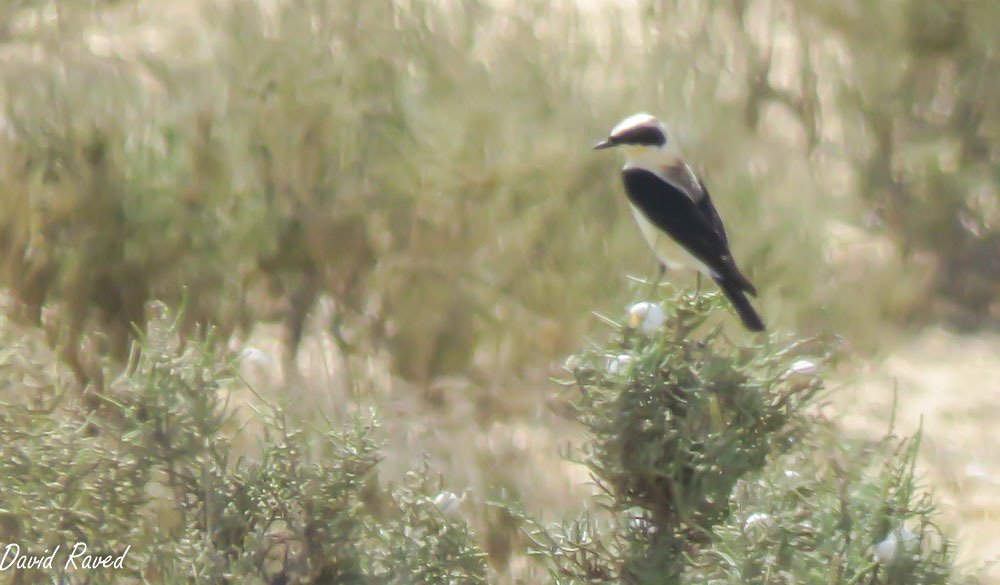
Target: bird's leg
[[659, 278], [697, 283]]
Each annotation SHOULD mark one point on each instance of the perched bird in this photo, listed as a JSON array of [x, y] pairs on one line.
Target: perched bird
[[674, 211]]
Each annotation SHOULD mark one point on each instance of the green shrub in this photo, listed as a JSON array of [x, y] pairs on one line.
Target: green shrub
[[710, 458], [156, 467], [713, 465]]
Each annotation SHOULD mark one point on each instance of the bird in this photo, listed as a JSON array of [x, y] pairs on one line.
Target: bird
[[674, 210]]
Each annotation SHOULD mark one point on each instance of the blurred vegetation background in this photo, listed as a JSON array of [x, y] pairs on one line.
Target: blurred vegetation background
[[394, 202], [425, 165]]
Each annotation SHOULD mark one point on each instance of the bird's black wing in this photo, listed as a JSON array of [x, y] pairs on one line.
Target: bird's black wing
[[706, 207], [696, 226]]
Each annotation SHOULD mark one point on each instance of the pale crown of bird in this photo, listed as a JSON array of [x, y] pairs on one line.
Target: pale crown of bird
[[635, 121]]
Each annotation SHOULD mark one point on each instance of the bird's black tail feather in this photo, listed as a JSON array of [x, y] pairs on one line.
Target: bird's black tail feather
[[736, 295]]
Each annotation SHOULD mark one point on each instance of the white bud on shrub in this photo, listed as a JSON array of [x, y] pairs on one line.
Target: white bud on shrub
[[619, 365], [886, 551], [447, 503], [801, 373], [646, 317]]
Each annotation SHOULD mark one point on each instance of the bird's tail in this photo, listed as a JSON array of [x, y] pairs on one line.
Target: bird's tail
[[736, 295]]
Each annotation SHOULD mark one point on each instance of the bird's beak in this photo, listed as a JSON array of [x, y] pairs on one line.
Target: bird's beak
[[604, 144]]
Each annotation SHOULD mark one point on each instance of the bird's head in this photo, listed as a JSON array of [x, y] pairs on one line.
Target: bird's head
[[641, 136]]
